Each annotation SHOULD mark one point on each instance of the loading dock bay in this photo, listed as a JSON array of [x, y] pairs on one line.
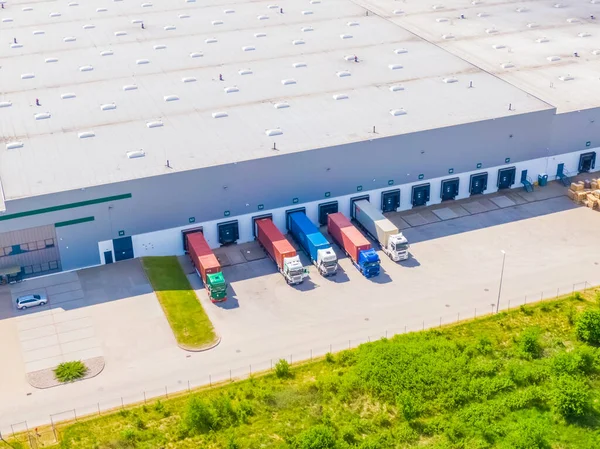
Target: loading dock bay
[[454, 268]]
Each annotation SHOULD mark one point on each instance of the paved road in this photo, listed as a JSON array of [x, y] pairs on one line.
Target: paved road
[[455, 269]]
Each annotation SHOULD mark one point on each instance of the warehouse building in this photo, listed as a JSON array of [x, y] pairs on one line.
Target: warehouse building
[[125, 123]]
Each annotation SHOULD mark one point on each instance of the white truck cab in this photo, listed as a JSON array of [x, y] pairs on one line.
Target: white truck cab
[[326, 261], [293, 270], [397, 247]]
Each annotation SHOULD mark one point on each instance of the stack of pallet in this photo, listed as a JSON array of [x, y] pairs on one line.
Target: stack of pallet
[[588, 197]]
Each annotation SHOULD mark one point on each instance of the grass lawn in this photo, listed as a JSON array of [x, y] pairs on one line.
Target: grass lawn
[[515, 380], [190, 324]]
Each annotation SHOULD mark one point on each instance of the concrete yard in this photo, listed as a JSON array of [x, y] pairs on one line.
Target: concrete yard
[[551, 247]]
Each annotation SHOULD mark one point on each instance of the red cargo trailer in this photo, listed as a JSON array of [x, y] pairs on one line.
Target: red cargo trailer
[[273, 241], [202, 256], [346, 235]]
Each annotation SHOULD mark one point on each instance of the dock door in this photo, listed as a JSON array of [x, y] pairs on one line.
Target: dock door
[[506, 177], [390, 200], [478, 183], [420, 194], [449, 189], [228, 232], [587, 162], [325, 209]]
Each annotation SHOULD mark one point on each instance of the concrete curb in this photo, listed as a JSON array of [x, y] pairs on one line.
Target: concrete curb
[[45, 378], [203, 348]]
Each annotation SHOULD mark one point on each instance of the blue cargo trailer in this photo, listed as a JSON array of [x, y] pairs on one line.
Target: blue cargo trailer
[[314, 244]]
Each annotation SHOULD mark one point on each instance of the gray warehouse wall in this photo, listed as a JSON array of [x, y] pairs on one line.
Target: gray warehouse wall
[[170, 200], [572, 131]]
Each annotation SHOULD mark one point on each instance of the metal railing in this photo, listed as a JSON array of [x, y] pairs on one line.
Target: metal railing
[[33, 437]]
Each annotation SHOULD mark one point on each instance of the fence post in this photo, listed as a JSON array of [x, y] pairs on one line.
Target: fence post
[[386, 333], [99, 409], [330, 347], [525, 299], [557, 290], [458, 317], [122, 404], [423, 324], [53, 428], [166, 393], [542, 296], [291, 360], [209, 380], [585, 287], [311, 355], [573, 291], [230, 371], [251, 369], [144, 397], [348, 344], [475, 312], [509, 304], [189, 386], [440, 321], [75, 413], [405, 328]]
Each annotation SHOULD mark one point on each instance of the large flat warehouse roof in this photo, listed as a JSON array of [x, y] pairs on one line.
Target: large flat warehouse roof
[[549, 48], [116, 100]]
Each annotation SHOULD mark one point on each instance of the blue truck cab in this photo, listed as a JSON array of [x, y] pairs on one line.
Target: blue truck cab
[[313, 243], [369, 263]]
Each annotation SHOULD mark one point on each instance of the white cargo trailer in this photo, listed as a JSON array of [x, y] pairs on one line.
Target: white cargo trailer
[[391, 240]]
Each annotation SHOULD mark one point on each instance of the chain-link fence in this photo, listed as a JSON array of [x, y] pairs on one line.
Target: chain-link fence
[[47, 434]]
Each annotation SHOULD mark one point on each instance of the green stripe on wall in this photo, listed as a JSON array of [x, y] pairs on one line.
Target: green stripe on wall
[[65, 206], [60, 224]]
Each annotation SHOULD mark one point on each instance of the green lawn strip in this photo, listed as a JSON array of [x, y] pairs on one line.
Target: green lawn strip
[[190, 324], [518, 379]]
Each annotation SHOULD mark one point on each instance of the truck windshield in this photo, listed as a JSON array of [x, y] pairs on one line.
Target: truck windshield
[[298, 272], [332, 263], [401, 247], [372, 264]]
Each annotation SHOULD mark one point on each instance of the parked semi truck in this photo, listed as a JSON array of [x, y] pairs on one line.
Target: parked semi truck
[[207, 266], [280, 250], [314, 244], [391, 240], [354, 244]]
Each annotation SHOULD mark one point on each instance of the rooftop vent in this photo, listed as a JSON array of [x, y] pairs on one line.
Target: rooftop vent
[[86, 134], [273, 132], [288, 82], [245, 72], [42, 116], [298, 65], [260, 34], [396, 88], [573, 20], [532, 25], [135, 154], [307, 29], [154, 124], [482, 14], [447, 36], [142, 61], [73, 4], [127, 87], [343, 74], [7, 20], [54, 14], [168, 98], [349, 58], [220, 114], [184, 16], [89, 26], [160, 47], [441, 19], [146, 5], [542, 40], [507, 65], [437, 7], [559, 5], [14, 145], [189, 79], [16, 46], [398, 12], [281, 105], [211, 40], [67, 96], [584, 34], [108, 107], [553, 58], [596, 52], [5, 104], [230, 90], [315, 2], [395, 66], [491, 31], [27, 76], [273, 6], [69, 39], [307, 13], [86, 68], [298, 42], [137, 21], [101, 9], [217, 22], [248, 48], [27, 8], [196, 54], [397, 112], [120, 33], [228, 11], [450, 80], [262, 17], [400, 51], [522, 9], [353, 24], [498, 46], [476, 2], [170, 28], [38, 32], [566, 78], [345, 36], [340, 97]]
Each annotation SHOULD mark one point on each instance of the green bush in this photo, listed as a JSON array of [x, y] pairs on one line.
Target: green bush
[[282, 369], [527, 435], [587, 327], [329, 358], [129, 436], [200, 417], [571, 396], [529, 343], [408, 405], [583, 360], [317, 437], [70, 371]]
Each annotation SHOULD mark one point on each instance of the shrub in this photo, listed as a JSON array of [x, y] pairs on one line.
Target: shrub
[[587, 327], [317, 437], [129, 435], [529, 343], [139, 423], [570, 396], [329, 358], [577, 296], [528, 435], [159, 407], [526, 310], [282, 369], [200, 417], [70, 371], [408, 405], [583, 360], [571, 315]]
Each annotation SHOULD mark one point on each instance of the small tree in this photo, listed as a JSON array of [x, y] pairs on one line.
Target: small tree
[[282, 369], [317, 437], [529, 343], [571, 396], [70, 371], [587, 327], [200, 417]]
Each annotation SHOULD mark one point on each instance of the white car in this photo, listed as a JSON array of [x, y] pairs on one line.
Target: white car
[[26, 301]]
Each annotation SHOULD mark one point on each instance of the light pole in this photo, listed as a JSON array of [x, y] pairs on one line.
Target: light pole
[[501, 276]]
